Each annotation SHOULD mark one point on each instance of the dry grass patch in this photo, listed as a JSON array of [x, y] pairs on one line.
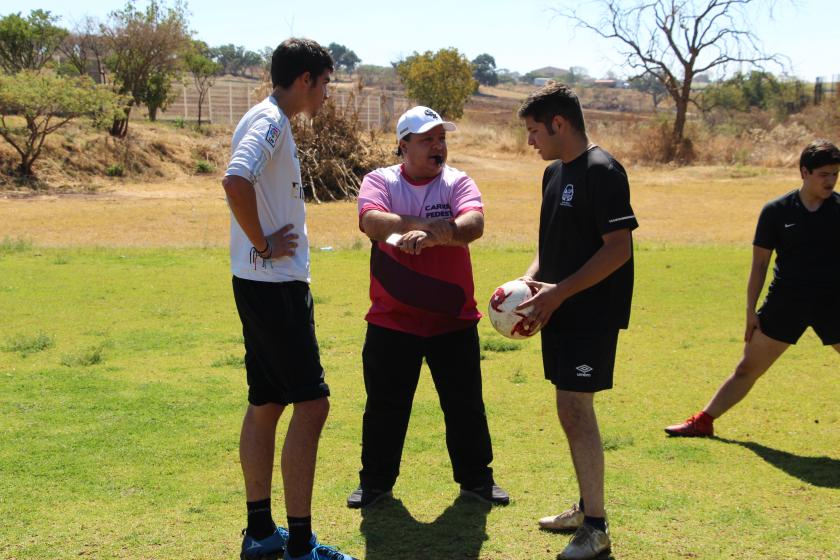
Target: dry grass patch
[[674, 205], [79, 158]]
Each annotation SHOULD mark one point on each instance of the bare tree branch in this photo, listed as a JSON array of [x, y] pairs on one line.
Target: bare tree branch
[[675, 40]]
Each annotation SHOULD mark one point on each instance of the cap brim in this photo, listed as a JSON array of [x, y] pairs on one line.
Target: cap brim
[[447, 126]]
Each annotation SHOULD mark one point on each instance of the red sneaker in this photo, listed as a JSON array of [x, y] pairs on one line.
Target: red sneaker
[[699, 425]]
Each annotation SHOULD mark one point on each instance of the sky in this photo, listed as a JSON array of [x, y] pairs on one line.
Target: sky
[[521, 35]]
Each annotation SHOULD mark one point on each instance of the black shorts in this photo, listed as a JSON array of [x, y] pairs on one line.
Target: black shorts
[[581, 362], [786, 313], [282, 359]]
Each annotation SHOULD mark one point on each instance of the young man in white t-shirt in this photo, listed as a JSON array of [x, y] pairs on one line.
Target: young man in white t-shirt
[[269, 253]]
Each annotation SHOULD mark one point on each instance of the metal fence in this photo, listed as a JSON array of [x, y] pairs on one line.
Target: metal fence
[[226, 103]]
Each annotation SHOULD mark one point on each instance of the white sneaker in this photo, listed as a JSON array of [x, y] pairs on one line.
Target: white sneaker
[[569, 520], [588, 543]]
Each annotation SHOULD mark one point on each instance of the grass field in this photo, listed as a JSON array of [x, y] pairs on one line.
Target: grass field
[[122, 391]]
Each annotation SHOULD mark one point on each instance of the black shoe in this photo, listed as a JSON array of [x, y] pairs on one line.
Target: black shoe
[[491, 494], [364, 497]]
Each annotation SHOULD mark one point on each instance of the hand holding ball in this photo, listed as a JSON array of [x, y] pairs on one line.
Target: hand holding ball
[[502, 310]]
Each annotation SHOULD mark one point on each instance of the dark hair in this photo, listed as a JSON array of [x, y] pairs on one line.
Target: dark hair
[[818, 153], [398, 151], [295, 57], [551, 100]]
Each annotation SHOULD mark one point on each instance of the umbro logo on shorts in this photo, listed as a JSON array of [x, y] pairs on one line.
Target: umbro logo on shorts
[[584, 370]]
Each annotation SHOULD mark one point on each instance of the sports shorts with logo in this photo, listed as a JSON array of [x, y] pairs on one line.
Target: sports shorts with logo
[[282, 359], [787, 312], [582, 362]]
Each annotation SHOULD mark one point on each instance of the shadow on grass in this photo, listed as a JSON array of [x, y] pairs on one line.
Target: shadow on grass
[[391, 532], [817, 471]]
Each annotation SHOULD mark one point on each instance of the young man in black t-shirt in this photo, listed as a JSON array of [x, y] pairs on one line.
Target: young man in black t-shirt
[[583, 279], [803, 227]]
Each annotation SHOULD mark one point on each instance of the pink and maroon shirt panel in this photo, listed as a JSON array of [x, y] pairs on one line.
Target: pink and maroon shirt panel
[[431, 293]]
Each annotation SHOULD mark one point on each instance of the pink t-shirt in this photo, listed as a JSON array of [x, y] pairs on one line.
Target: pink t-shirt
[[431, 293]]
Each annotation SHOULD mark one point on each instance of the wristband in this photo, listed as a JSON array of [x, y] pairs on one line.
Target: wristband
[[267, 247]]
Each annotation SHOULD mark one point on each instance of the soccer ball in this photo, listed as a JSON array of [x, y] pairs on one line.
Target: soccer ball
[[502, 309]]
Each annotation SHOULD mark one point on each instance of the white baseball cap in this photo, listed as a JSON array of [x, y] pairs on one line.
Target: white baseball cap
[[419, 120]]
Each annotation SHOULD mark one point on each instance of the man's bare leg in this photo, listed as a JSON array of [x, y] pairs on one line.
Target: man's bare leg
[[256, 449], [759, 354], [577, 417], [300, 452]]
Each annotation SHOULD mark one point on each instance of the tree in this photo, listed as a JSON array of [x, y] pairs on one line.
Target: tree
[[484, 70], [647, 83], [203, 71], [141, 44], [235, 60], [343, 58], [47, 102], [441, 80], [756, 90], [265, 56], [674, 40], [158, 93], [507, 76], [85, 50], [28, 43]]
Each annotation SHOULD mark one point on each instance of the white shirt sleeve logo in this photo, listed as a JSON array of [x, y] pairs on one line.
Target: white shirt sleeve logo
[[272, 135]]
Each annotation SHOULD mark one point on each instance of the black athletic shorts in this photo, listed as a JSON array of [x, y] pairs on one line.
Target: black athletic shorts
[[579, 361], [786, 313], [282, 359]]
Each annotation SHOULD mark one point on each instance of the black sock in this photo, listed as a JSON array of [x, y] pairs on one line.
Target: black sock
[[300, 533], [599, 523], [580, 505], [260, 523]]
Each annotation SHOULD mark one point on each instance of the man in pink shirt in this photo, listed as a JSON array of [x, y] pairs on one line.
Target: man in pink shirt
[[421, 216]]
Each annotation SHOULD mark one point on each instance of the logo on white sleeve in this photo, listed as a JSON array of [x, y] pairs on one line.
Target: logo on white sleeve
[[272, 135], [584, 370], [568, 195]]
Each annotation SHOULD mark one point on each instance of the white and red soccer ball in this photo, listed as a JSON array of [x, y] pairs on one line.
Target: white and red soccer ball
[[502, 310]]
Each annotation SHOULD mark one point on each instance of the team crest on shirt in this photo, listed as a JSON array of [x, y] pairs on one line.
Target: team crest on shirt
[[272, 135], [568, 195]]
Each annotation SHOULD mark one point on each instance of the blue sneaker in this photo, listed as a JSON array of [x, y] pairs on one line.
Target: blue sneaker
[[319, 552], [269, 548]]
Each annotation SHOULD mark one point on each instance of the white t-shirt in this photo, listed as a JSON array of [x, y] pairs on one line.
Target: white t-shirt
[[265, 154]]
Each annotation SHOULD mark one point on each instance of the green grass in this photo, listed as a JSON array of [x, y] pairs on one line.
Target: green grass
[[119, 440], [26, 345]]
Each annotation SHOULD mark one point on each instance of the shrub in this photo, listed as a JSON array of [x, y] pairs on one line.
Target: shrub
[[18, 245], [203, 166], [26, 345], [115, 170], [86, 357]]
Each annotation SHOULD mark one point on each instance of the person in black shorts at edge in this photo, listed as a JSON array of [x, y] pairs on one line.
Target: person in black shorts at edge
[[269, 258], [803, 227], [583, 279]]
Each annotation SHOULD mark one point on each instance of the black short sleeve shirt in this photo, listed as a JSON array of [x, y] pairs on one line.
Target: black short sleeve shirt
[[807, 244], [582, 201]]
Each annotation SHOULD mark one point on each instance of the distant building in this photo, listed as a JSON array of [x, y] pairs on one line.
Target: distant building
[[542, 81]]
